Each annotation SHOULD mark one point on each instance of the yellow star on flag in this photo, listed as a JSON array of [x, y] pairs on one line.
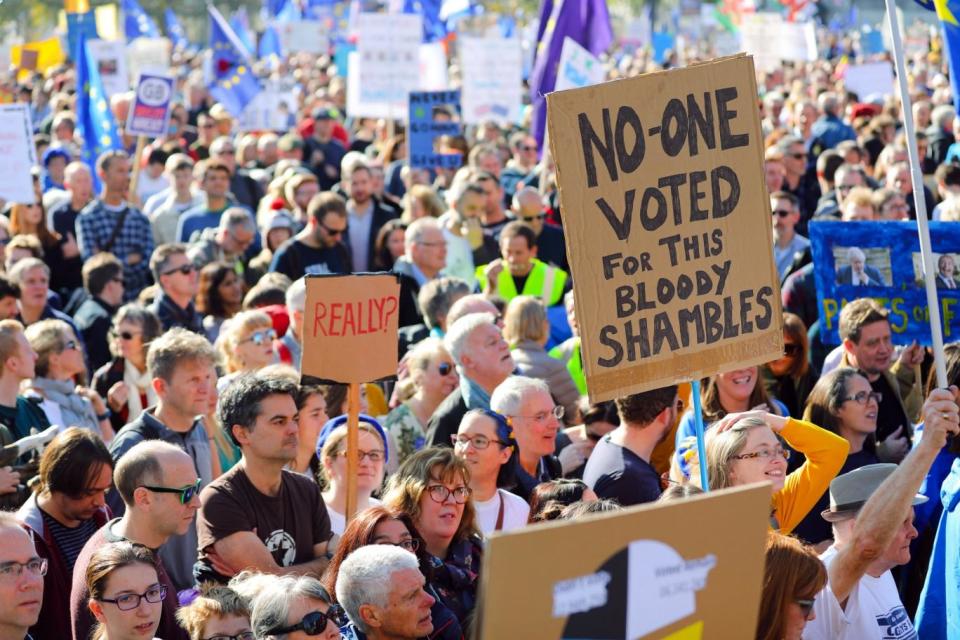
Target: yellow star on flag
[[944, 12]]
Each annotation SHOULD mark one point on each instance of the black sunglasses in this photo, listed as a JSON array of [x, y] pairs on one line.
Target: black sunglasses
[[186, 493], [333, 232], [445, 368], [783, 213], [186, 270], [792, 350], [314, 622]]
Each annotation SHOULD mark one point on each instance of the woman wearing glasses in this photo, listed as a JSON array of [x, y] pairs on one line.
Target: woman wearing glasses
[[295, 608], [380, 525], [743, 448], [485, 442], [844, 403], [791, 378], [432, 487], [60, 365], [126, 596], [218, 613], [792, 577], [432, 377], [124, 381], [246, 344], [332, 451]]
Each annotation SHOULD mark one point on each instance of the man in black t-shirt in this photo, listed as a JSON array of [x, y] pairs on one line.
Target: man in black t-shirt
[[319, 248], [258, 515], [619, 466]]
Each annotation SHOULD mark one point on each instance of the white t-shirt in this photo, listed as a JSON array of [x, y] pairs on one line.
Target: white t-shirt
[[338, 521], [515, 512], [873, 611]]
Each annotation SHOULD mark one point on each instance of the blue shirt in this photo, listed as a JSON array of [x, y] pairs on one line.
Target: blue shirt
[[829, 131], [616, 472]]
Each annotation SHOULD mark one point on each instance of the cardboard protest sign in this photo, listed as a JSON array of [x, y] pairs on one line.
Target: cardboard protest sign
[[771, 39], [17, 153], [886, 256], [492, 82], [387, 64], [111, 61], [423, 129], [309, 36], [578, 67], [646, 572], [150, 112], [873, 78], [668, 225], [350, 327]]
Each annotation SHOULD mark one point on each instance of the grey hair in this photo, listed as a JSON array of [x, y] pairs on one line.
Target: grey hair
[[216, 147], [417, 230], [237, 217], [19, 270], [943, 115], [854, 253], [271, 606], [437, 296], [507, 399], [365, 577], [457, 335], [296, 296]]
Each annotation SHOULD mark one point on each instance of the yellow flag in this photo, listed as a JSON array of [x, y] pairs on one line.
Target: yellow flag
[[49, 53], [693, 632], [76, 6]]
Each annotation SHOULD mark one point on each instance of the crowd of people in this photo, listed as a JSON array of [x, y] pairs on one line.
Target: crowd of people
[[169, 474]]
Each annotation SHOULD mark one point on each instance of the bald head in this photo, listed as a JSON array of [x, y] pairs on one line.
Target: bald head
[[528, 206], [473, 303]]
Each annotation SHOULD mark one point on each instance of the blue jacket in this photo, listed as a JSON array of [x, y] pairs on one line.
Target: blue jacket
[[938, 615]]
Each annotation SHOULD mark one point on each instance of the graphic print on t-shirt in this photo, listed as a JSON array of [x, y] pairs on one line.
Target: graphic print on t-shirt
[[896, 625], [283, 547]]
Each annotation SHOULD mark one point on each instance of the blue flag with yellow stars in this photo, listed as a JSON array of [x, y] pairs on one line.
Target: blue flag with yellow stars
[[234, 85], [948, 13], [95, 121], [137, 22], [175, 30]]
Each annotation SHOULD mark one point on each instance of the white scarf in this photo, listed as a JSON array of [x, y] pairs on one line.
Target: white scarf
[[137, 382]]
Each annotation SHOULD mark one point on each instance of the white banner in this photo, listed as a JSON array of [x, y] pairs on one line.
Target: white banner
[[492, 82], [111, 60], [386, 66], [309, 36], [868, 79], [17, 153], [269, 111], [578, 67], [148, 54], [770, 39]]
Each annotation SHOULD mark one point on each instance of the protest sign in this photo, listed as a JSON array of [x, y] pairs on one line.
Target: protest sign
[[646, 572], [110, 56], [148, 54], [150, 112], [771, 39], [433, 67], [887, 256], [37, 56], [387, 64], [423, 129], [350, 327], [873, 78], [309, 36], [578, 67], [492, 83], [17, 153], [270, 110], [668, 225]]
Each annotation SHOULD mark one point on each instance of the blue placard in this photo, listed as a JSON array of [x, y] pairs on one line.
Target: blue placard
[[423, 129], [886, 255], [150, 111]]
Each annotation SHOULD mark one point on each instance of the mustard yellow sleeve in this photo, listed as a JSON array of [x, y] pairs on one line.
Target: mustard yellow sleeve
[[825, 452]]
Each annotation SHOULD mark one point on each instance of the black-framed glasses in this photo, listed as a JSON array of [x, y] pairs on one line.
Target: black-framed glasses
[[765, 454], [130, 601], [800, 155], [557, 412], [539, 216], [479, 442], [262, 337], [314, 622], [128, 335], [527, 147], [806, 606], [12, 570], [783, 213], [243, 635], [440, 493], [335, 233], [410, 545], [863, 397], [184, 269], [376, 455], [186, 493], [444, 369]]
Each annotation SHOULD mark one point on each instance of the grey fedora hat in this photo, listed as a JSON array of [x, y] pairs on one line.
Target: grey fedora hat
[[849, 492]]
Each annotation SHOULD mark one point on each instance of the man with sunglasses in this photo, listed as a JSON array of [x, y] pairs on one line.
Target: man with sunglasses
[[871, 509], [799, 175], [159, 486], [551, 247], [787, 243], [177, 278], [619, 466], [319, 247], [21, 580], [181, 368], [68, 508]]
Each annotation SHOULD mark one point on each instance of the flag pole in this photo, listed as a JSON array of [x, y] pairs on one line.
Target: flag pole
[[135, 178], [698, 425], [923, 228]]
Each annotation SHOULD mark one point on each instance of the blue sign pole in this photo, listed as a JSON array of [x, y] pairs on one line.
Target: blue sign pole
[[698, 425]]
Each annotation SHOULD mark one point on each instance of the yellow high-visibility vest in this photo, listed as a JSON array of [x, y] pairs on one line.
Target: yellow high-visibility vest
[[544, 282]]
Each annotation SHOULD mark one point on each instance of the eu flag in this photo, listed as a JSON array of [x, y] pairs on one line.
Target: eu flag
[[948, 12], [175, 30], [585, 21], [234, 85], [80, 25], [95, 121], [136, 22]]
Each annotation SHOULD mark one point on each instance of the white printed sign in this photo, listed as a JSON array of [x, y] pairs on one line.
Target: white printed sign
[[578, 67], [269, 111], [492, 82], [17, 153], [110, 57], [433, 67], [150, 112], [386, 67], [870, 78], [770, 39], [148, 54], [309, 36]]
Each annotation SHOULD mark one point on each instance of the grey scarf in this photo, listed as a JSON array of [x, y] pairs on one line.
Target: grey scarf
[[76, 410]]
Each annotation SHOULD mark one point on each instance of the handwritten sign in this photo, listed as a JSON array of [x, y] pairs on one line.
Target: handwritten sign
[[309, 36], [578, 67], [350, 327], [771, 39], [646, 572], [388, 63], [492, 82], [667, 225], [881, 260], [424, 129], [150, 112], [17, 153]]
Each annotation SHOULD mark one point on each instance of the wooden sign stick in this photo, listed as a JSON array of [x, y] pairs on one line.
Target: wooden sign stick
[[353, 429]]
